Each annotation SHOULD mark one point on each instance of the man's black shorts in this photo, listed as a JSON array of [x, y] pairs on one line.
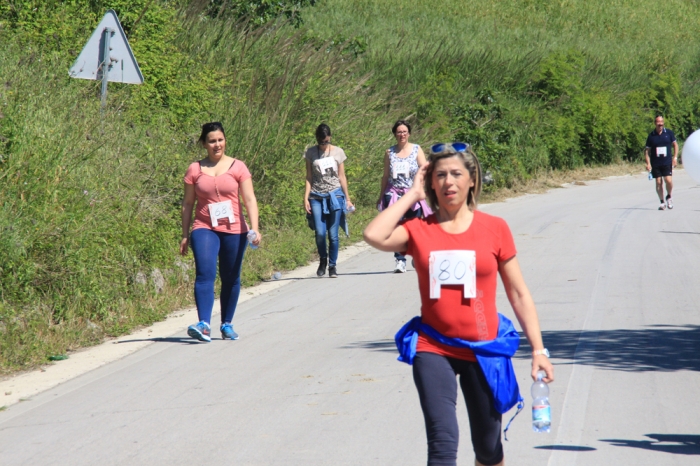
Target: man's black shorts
[[664, 170]]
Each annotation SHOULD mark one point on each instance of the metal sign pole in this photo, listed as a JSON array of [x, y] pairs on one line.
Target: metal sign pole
[[106, 62]]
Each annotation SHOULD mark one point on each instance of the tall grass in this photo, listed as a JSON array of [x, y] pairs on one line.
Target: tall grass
[[533, 85]]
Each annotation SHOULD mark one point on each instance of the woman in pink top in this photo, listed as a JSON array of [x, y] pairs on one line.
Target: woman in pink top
[[219, 229]]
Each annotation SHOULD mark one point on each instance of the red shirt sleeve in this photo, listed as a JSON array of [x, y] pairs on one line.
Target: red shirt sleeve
[[506, 248], [410, 226]]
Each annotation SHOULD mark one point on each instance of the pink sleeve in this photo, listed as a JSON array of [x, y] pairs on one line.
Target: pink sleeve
[[192, 173], [241, 172], [506, 248]]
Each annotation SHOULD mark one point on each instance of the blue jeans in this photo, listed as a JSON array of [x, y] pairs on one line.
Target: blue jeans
[[410, 213], [207, 246], [329, 223]]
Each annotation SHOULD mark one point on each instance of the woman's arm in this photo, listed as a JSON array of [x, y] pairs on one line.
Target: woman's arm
[[524, 308], [187, 206], [384, 232], [385, 176], [344, 184], [307, 189], [251, 206]]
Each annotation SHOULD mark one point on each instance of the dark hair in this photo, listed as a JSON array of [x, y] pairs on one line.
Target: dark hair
[[471, 163], [210, 128], [401, 123], [322, 132]]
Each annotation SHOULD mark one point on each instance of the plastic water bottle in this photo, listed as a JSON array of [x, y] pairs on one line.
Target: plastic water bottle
[[541, 411], [351, 209], [650, 176], [251, 237]]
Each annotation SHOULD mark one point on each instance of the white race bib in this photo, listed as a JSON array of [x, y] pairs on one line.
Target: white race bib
[[221, 210], [661, 151], [452, 268], [400, 168], [327, 162]]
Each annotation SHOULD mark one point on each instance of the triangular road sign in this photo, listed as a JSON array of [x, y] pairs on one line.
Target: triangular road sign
[[121, 63]]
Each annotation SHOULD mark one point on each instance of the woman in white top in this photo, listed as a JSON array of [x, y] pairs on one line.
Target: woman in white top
[[401, 163]]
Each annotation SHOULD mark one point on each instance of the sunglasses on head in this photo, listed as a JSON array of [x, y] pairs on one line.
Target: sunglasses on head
[[443, 146]]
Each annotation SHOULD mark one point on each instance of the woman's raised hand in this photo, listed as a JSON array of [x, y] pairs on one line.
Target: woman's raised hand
[[418, 180]]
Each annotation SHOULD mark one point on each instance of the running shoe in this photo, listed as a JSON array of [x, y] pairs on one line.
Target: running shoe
[[200, 331], [332, 272], [400, 266], [227, 332], [662, 206], [669, 202]]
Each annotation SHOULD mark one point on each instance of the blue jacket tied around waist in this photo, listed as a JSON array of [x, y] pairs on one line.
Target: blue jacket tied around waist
[[332, 201], [493, 356]]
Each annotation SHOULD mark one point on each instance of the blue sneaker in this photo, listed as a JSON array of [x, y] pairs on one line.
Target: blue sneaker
[[227, 332], [200, 331]]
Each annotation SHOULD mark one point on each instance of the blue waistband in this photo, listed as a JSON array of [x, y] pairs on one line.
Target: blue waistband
[[494, 356]]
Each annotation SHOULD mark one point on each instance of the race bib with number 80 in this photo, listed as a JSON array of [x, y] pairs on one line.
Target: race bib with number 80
[[400, 168], [221, 210], [327, 162], [452, 268]]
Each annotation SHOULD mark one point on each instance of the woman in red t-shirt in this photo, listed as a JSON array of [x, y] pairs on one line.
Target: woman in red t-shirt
[[219, 231], [458, 233]]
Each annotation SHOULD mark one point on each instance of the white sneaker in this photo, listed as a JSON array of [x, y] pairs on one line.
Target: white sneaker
[[662, 206], [400, 266], [669, 202]]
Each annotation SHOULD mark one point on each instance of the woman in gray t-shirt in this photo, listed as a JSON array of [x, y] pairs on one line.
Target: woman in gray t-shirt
[[326, 196]]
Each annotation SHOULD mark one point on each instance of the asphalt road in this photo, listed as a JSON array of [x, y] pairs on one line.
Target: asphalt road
[[314, 378]]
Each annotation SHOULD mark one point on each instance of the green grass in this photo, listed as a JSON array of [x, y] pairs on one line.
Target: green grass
[[89, 204], [533, 85], [90, 201]]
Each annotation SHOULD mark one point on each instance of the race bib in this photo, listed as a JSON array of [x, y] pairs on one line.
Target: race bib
[[221, 210], [400, 168], [452, 268], [661, 151], [327, 162]]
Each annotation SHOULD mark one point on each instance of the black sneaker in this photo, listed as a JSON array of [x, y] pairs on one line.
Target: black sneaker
[[322, 267], [332, 272]]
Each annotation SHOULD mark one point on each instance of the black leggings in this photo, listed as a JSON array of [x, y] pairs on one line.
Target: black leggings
[[435, 378]]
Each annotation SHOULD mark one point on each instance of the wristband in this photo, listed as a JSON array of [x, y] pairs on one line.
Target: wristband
[[544, 351]]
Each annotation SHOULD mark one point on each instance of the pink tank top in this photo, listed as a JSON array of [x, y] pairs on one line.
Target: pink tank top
[[212, 189]]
